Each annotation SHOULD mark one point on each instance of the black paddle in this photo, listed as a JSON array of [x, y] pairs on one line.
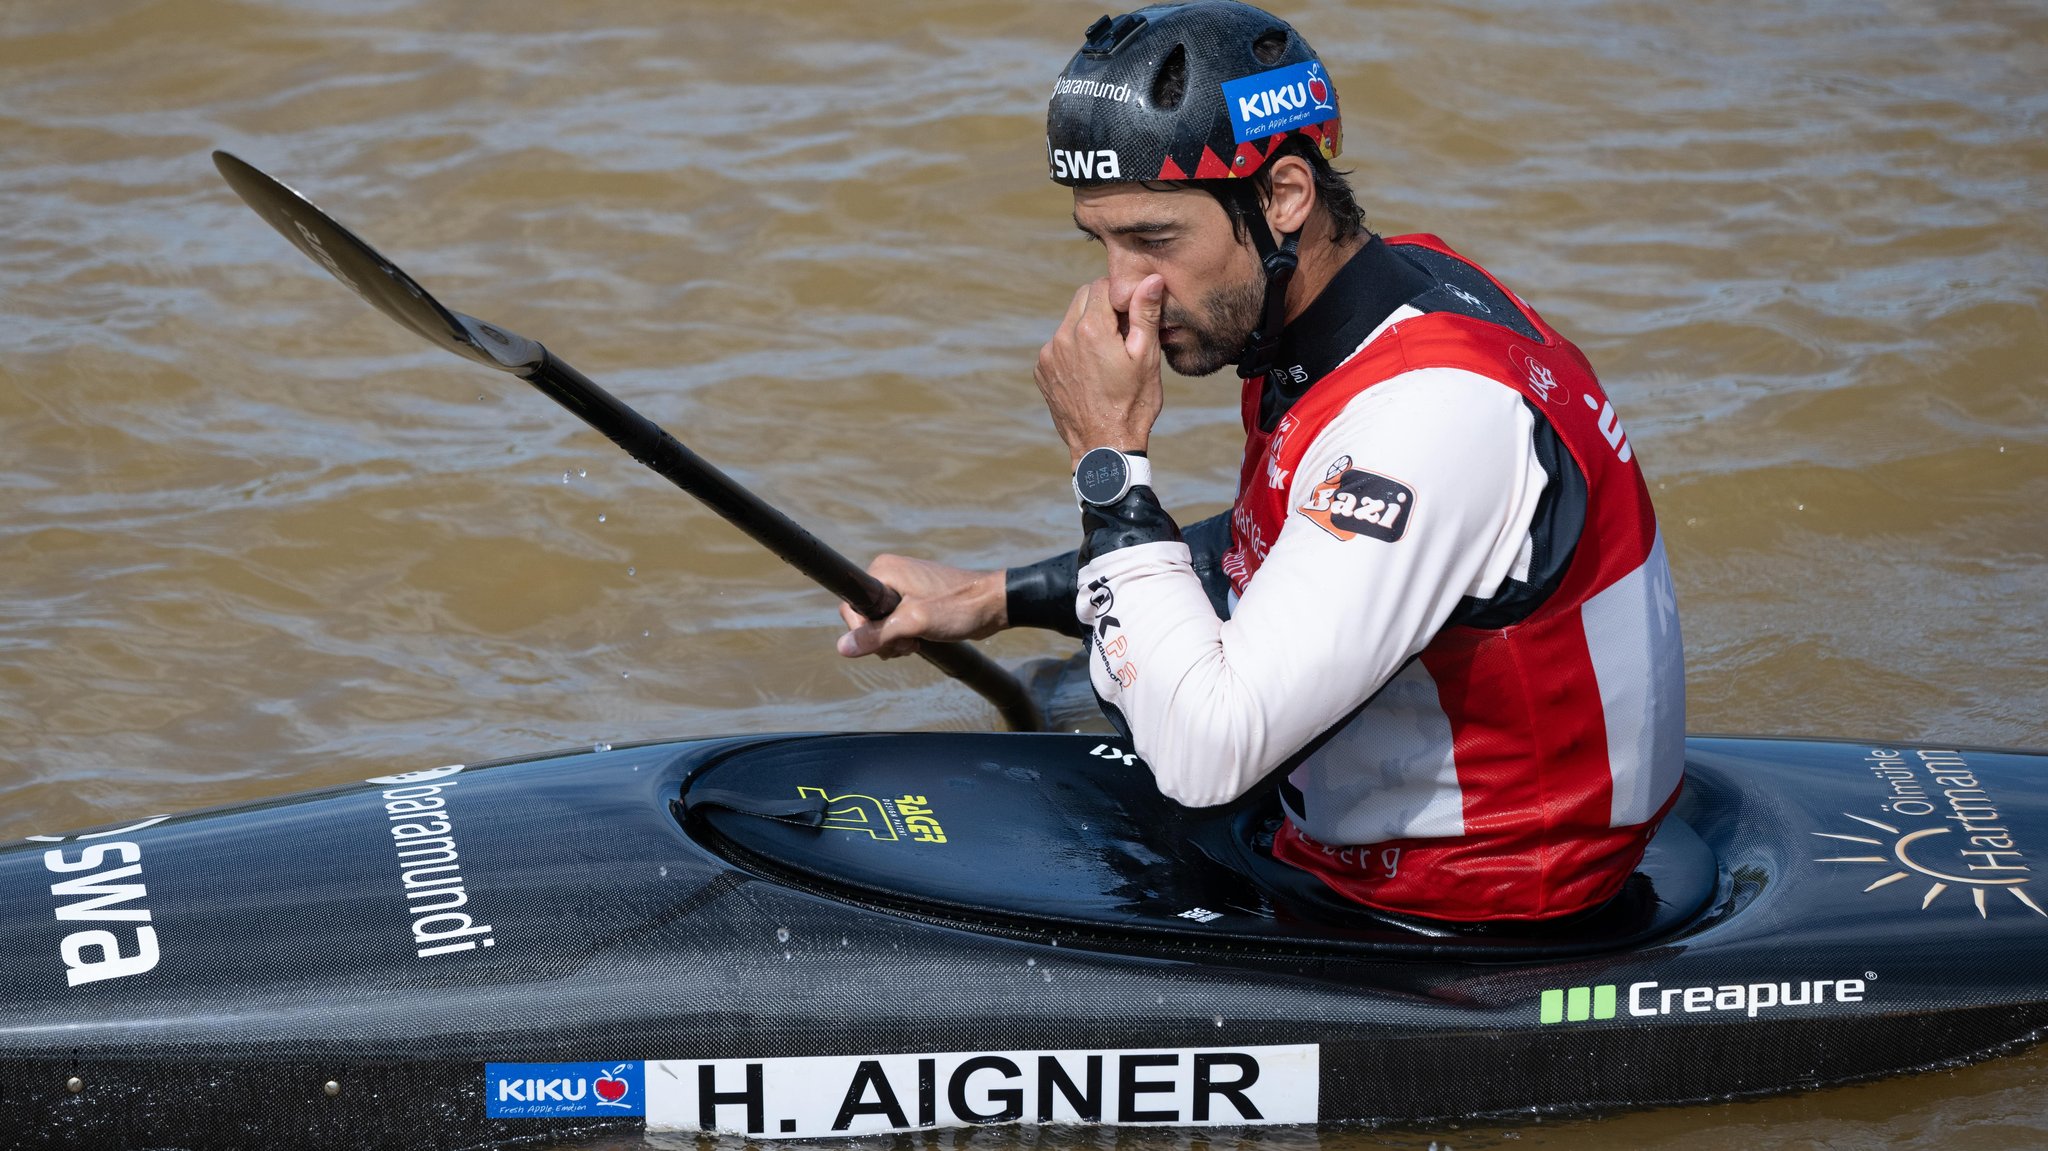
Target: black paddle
[[392, 292]]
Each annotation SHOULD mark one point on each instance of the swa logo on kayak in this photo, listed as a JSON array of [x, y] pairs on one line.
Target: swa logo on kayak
[[563, 1090]]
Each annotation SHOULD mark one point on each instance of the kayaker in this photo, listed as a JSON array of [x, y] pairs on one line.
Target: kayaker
[[1440, 604]]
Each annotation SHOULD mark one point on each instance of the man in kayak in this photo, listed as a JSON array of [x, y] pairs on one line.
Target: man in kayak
[[1440, 603]]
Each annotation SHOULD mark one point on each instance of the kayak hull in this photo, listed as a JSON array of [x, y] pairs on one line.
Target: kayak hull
[[607, 940]]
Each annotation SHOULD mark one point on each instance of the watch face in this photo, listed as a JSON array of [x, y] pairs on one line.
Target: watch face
[[1103, 476]]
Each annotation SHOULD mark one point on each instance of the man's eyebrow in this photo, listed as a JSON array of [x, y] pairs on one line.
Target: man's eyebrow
[[1135, 227]]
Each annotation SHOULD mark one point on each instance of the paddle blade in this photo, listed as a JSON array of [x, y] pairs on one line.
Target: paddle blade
[[376, 279]]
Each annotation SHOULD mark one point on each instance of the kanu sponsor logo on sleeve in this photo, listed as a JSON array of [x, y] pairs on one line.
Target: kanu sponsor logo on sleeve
[[1937, 822], [904, 819], [105, 887], [1099, 165], [563, 1090], [1279, 101], [1350, 503], [827, 1096], [1541, 379]]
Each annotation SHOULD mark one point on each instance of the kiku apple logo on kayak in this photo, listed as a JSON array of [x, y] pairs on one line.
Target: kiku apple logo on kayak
[[1927, 792], [563, 1090]]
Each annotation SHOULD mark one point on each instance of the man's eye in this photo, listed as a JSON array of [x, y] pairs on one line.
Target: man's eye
[[1155, 243]]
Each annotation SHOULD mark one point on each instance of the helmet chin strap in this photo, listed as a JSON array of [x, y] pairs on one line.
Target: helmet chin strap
[[1279, 261]]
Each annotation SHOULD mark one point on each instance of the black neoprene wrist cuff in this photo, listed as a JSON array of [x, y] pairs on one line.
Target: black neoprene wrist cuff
[[1042, 594], [1135, 519]]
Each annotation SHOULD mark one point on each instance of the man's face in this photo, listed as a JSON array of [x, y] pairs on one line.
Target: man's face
[[1214, 290]]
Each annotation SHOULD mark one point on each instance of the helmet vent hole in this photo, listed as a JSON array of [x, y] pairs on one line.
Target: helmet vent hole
[[1171, 84], [1269, 47]]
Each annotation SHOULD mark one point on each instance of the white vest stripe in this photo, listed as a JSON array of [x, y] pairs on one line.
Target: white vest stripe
[[1389, 773], [1632, 636]]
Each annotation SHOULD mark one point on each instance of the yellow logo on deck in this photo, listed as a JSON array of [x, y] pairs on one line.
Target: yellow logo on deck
[[905, 817]]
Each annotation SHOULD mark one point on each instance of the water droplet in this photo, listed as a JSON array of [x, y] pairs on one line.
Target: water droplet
[[663, 871], [1799, 507], [600, 517], [625, 675], [1048, 977], [1159, 999], [632, 571], [1219, 1021], [645, 634], [788, 955], [782, 935], [1031, 963], [580, 473], [601, 747], [844, 941], [565, 477]]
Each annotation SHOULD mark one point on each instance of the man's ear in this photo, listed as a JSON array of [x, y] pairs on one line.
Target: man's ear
[[1294, 195]]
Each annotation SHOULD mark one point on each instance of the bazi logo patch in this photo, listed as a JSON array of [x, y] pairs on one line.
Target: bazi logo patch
[[1279, 101], [1350, 503], [563, 1090]]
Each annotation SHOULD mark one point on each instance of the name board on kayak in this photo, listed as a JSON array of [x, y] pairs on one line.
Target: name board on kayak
[[816, 1097]]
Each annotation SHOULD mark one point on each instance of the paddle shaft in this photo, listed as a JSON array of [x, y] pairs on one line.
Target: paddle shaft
[[645, 441]]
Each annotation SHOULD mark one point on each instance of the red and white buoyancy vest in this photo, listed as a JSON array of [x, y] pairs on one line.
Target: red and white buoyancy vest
[[1514, 773]]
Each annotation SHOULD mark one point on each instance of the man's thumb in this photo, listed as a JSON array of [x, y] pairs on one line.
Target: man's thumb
[[1146, 304]]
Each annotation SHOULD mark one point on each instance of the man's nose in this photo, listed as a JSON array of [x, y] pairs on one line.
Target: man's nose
[[1126, 271]]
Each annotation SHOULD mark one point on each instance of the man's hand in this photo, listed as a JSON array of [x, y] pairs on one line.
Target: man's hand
[[1100, 372], [939, 602]]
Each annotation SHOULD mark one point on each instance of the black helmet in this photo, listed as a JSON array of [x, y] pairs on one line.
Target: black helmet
[[1194, 91]]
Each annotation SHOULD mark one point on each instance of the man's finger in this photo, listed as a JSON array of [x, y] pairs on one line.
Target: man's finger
[[1075, 307], [1146, 304], [1100, 313], [862, 640]]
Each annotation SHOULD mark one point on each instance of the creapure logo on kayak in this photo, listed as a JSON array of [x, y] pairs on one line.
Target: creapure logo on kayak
[[1939, 823], [1649, 998]]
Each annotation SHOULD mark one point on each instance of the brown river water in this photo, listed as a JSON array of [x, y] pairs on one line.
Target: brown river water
[[255, 538]]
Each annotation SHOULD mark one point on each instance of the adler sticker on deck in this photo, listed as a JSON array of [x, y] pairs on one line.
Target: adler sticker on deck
[[1350, 503], [816, 1097]]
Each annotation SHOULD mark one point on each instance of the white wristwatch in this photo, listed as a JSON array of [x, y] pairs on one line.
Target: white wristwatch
[[1105, 476]]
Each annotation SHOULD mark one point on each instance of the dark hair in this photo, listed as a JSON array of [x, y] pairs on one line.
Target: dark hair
[[1333, 192]]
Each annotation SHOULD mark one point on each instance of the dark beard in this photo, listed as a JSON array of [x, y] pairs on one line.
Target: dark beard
[[1228, 316]]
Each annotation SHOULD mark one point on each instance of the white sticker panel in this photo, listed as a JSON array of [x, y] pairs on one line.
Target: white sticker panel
[[822, 1096]]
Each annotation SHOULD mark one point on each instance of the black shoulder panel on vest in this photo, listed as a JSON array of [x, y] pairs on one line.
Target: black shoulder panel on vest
[[1464, 289], [1553, 536]]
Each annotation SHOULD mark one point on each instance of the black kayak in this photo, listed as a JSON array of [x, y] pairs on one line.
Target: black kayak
[[817, 935]]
